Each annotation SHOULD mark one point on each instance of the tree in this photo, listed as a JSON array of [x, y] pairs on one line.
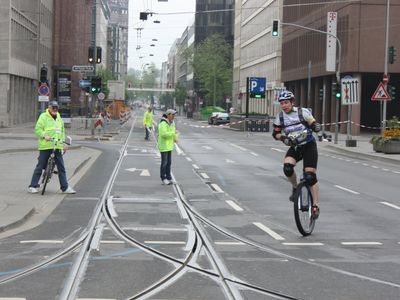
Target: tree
[[212, 66], [180, 94]]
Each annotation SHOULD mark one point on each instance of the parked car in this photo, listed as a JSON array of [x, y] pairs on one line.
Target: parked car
[[218, 118]]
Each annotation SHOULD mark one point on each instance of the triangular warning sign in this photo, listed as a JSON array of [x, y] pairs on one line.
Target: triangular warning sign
[[381, 93]]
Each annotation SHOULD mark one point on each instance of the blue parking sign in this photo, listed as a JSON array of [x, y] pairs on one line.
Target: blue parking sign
[[257, 87]]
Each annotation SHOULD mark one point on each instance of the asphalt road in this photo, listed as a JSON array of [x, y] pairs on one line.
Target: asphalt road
[[234, 181]]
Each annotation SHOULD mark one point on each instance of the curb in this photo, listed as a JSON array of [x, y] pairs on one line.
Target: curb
[[357, 154], [18, 222]]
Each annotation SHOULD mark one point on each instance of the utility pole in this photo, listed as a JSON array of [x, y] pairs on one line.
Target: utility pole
[[385, 74], [337, 70], [93, 44]]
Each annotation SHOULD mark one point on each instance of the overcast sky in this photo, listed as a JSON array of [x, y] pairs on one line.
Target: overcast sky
[[174, 17]]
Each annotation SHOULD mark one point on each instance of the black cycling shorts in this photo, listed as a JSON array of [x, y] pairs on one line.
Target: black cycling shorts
[[308, 153]]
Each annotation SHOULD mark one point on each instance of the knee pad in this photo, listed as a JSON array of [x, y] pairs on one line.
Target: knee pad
[[288, 169], [311, 178]]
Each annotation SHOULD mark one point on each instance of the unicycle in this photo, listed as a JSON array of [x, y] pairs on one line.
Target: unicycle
[[302, 205]]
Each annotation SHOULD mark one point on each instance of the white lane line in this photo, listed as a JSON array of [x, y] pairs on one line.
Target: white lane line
[[385, 170], [154, 229], [204, 175], [303, 244], [207, 147], [42, 242], [216, 188], [195, 167], [278, 150], [165, 242], [238, 147], [230, 243], [229, 161], [269, 231], [145, 172], [360, 243], [188, 159], [396, 172], [234, 205], [347, 190], [111, 242], [390, 204], [253, 153], [92, 299], [374, 167], [12, 298], [178, 150]]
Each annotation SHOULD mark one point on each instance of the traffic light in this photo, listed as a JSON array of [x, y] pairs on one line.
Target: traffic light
[[43, 74], [275, 28], [95, 86], [98, 55], [321, 94], [336, 90], [91, 54], [392, 91], [392, 54]]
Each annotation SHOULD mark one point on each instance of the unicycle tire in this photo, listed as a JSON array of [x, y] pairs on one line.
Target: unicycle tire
[[303, 201]]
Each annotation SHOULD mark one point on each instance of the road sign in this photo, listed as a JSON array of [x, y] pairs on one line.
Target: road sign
[[350, 90], [380, 93], [101, 96], [83, 69], [84, 83], [43, 90], [331, 42], [43, 98], [386, 78], [257, 87]]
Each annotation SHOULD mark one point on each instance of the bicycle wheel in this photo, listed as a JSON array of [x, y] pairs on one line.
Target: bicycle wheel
[[302, 209], [47, 174]]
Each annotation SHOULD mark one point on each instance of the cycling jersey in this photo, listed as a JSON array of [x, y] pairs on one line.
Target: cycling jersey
[[295, 122]]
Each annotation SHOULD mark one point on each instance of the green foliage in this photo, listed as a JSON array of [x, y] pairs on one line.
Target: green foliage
[[180, 94], [212, 65], [167, 99]]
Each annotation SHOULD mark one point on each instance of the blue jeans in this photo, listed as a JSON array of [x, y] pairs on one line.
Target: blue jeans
[[165, 169], [41, 165]]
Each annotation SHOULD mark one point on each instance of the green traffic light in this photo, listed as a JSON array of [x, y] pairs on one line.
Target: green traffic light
[[274, 33], [338, 95]]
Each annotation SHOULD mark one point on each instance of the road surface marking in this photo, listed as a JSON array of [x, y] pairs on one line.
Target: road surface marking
[[360, 243], [12, 298], [238, 147], [375, 167], [303, 244], [207, 147], [165, 242], [154, 229], [269, 231], [92, 299], [229, 161], [276, 149], [347, 190], [111, 242], [230, 243], [178, 150], [216, 188], [234, 205], [390, 204], [188, 159], [42, 242], [253, 153], [204, 175], [196, 167]]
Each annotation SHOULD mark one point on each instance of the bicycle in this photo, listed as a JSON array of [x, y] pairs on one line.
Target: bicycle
[[51, 163], [302, 196]]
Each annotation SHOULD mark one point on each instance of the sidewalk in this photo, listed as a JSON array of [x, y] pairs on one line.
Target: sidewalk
[[18, 154], [18, 157]]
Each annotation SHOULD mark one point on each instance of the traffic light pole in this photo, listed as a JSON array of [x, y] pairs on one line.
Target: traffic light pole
[[385, 75], [93, 44], [337, 71]]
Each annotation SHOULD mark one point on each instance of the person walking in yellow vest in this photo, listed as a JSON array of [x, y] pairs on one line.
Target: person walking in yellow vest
[[167, 136], [148, 122]]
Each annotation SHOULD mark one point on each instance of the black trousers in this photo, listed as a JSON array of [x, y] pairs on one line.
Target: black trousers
[[165, 169]]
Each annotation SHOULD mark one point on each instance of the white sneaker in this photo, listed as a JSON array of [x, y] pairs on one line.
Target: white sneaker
[[165, 182], [69, 190], [33, 190], [172, 181]]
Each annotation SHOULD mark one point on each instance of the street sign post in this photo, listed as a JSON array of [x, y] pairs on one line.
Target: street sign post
[[349, 91], [83, 68], [380, 93], [257, 87]]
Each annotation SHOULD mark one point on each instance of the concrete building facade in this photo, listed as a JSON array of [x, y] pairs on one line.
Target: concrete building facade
[[361, 30], [256, 53], [25, 44]]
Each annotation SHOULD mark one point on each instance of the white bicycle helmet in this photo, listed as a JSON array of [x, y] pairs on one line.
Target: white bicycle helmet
[[285, 95]]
